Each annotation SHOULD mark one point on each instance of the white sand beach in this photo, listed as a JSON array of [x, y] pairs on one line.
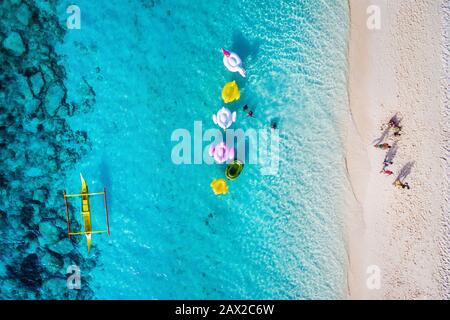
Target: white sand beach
[[400, 68]]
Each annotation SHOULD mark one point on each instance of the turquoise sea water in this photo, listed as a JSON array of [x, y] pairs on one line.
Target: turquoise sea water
[[151, 67]]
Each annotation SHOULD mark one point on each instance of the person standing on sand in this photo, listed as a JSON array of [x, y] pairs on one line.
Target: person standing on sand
[[402, 185], [386, 164], [386, 161], [383, 146], [394, 123]]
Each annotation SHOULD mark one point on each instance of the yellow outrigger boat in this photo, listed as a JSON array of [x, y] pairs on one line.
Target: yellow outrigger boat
[[86, 212]]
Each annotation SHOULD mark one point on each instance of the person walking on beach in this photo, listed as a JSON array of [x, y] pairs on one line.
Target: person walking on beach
[[383, 146], [402, 185], [385, 165], [394, 123], [397, 131]]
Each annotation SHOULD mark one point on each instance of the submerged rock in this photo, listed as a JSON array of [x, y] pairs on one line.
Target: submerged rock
[[49, 233], [40, 195], [23, 90], [3, 219], [34, 172], [53, 99], [31, 126], [23, 14], [36, 83], [54, 286], [52, 262], [28, 215], [30, 106], [62, 247], [28, 272], [14, 44]]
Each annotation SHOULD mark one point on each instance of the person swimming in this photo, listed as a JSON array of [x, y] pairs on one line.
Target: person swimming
[[273, 125], [245, 108], [250, 114]]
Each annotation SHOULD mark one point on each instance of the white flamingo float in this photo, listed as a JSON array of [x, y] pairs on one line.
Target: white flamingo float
[[232, 62], [224, 118]]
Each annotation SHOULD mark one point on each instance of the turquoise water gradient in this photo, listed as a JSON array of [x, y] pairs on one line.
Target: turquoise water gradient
[[156, 66]]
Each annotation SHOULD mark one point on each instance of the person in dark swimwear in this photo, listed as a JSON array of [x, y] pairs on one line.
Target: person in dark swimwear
[[250, 114], [273, 125], [245, 107], [386, 163]]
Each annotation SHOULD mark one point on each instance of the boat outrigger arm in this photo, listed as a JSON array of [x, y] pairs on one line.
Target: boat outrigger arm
[[86, 212]]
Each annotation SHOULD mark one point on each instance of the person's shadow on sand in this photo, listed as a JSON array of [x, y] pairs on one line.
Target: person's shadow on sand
[[405, 171], [383, 136], [390, 155]]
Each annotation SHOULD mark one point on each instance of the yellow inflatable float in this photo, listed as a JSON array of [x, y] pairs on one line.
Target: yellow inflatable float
[[219, 186], [230, 92]]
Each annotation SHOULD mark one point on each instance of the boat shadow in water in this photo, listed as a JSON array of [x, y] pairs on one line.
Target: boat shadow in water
[[105, 179]]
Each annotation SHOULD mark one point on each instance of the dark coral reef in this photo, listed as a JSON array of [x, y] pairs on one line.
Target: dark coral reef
[[37, 147]]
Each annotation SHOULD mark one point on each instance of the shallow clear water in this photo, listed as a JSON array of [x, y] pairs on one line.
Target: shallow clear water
[[156, 66]]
